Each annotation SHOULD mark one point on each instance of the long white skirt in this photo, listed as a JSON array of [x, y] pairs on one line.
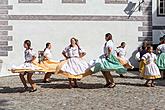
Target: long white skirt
[[151, 71], [75, 66]]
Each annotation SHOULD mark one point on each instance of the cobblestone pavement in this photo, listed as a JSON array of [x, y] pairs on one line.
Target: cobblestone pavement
[[129, 94]]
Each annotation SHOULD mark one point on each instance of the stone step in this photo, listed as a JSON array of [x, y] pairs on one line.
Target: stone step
[[141, 39], [3, 1], [3, 53], [3, 43], [3, 22], [9, 28], [6, 38], [145, 28], [6, 48], [8, 7], [147, 33]]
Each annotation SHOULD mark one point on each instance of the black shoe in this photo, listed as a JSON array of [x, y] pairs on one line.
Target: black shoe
[[106, 85], [46, 81], [122, 76], [75, 86]]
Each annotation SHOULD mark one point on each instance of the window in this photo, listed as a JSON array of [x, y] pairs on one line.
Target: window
[[116, 1], [161, 7], [73, 1], [29, 1]]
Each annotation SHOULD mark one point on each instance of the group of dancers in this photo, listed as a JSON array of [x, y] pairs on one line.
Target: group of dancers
[[75, 67]]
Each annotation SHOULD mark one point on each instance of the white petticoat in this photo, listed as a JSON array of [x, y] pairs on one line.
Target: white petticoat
[[75, 66], [151, 69], [26, 66]]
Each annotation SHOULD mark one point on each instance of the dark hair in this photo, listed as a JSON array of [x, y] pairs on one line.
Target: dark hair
[[76, 40], [47, 45], [161, 38], [123, 43], [149, 47], [28, 43], [144, 45], [109, 35]]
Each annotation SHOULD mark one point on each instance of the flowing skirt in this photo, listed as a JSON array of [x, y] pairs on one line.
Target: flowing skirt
[[74, 68], [125, 62], [108, 64], [71, 68], [151, 71], [44, 66], [142, 67], [161, 61]]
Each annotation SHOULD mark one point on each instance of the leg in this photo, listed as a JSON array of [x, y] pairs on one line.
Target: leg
[[152, 83], [21, 75], [110, 77], [47, 77], [106, 77], [162, 74], [75, 83], [147, 83], [70, 82], [33, 85]]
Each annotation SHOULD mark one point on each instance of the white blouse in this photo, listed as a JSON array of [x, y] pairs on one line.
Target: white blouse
[[161, 47], [73, 51], [29, 54], [149, 57], [109, 44], [121, 52], [48, 53]]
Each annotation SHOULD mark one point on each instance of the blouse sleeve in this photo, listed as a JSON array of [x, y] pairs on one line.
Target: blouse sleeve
[[109, 45], [33, 53], [159, 47], [65, 50], [82, 50], [144, 57], [46, 52], [155, 57]]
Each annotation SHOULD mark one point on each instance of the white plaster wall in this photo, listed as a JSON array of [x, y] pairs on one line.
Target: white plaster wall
[[55, 7], [90, 35]]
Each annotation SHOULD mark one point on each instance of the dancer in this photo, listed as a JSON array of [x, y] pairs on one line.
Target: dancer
[[151, 70], [47, 56], [161, 57], [74, 65], [121, 53], [29, 58], [108, 62]]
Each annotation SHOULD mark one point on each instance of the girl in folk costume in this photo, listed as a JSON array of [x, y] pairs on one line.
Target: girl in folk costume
[[161, 58], [108, 62], [75, 65], [29, 58], [47, 56], [141, 51], [121, 53], [151, 69]]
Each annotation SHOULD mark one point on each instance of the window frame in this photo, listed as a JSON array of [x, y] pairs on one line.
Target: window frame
[[29, 1], [116, 1], [74, 1], [158, 9]]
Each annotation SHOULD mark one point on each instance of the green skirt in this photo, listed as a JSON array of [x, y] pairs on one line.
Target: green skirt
[[161, 61], [108, 64]]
